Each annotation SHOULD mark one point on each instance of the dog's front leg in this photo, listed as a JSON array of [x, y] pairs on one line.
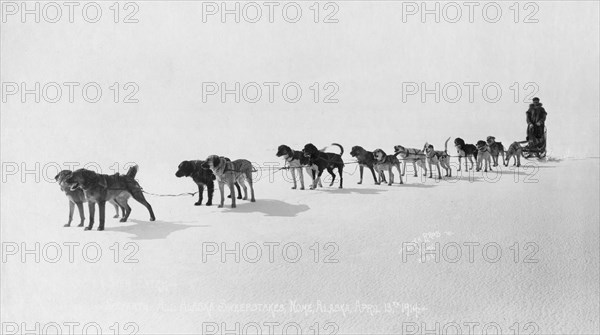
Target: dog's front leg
[[360, 170], [102, 209], [200, 193], [315, 179], [399, 173], [459, 159], [391, 176], [81, 214], [439, 171], [301, 173], [222, 191], [232, 190], [294, 177], [92, 210], [71, 210], [211, 191]]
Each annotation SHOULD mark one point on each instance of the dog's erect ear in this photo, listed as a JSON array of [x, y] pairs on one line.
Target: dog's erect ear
[[216, 161]]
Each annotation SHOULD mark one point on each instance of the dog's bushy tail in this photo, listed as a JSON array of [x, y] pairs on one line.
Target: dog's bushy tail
[[132, 172], [446, 145], [339, 146]]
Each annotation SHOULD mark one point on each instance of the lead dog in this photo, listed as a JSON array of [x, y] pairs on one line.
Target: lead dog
[[296, 161], [325, 160], [515, 150], [365, 159], [438, 158], [100, 188], [77, 197], [496, 149], [483, 156], [203, 177], [384, 162], [230, 172], [468, 151]]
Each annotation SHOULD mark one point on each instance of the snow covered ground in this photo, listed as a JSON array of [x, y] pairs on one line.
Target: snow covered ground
[[517, 253], [358, 270]]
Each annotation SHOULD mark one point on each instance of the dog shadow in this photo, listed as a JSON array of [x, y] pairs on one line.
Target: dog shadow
[[269, 207], [418, 184], [365, 191], [151, 230]]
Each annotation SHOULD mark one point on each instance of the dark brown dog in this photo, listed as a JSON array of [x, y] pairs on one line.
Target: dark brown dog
[[76, 198], [325, 160], [203, 177], [100, 188], [365, 159], [468, 151]]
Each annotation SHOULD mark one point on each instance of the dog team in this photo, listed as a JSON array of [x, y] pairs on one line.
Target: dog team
[[84, 185]]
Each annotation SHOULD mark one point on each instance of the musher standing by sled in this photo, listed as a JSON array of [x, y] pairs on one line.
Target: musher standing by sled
[[536, 119]]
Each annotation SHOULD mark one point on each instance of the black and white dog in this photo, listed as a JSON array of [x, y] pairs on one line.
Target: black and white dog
[[203, 177], [296, 160]]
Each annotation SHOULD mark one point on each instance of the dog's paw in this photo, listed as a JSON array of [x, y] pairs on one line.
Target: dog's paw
[[233, 206], [80, 225], [67, 225], [245, 198], [229, 196], [209, 203], [116, 216], [87, 228], [220, 206], [100, 228], [252, 200], [239, 196], [301, 188], [123, 220], [360, 182], [152, 219], [293, 187], [198, 203]]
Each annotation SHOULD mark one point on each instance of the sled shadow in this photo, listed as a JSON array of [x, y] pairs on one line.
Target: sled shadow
[[269, 207], [150, 230]]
